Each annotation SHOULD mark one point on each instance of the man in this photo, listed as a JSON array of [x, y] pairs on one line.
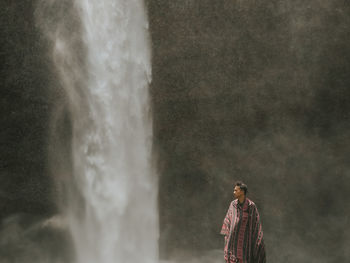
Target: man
[[242, 229]]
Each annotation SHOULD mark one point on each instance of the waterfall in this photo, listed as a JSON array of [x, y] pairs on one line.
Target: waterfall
[[102, 54]]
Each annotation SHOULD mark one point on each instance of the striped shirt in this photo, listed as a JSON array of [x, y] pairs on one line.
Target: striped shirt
[[243, 234]]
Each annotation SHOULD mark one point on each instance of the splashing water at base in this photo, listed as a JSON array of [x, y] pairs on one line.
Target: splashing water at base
[[112, 211]]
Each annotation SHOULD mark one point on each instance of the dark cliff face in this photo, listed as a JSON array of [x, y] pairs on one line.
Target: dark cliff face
[[241, 90], [254, 91], [28, 195], [25, 108]]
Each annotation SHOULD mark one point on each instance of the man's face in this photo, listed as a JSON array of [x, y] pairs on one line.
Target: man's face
[[237, 192]]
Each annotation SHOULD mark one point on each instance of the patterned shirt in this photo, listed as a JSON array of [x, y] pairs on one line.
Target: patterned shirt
[[243, 234]]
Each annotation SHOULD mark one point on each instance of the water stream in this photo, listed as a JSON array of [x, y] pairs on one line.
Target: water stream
[[105, 70]]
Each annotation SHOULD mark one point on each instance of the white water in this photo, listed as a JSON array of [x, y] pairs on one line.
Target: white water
[[112, 211]]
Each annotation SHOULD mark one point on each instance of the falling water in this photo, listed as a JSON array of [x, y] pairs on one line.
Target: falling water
[[102, 54]]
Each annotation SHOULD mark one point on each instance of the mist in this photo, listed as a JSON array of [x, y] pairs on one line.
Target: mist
[[241, 90]]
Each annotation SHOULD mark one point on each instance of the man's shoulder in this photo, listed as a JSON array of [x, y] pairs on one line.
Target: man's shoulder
[[235, 202], [250, 202]]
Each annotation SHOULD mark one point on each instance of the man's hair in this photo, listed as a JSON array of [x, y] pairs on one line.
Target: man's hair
[[242, 186]]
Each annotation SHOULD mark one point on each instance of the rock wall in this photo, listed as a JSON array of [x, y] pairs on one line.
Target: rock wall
[[257, 91], [29, 99], [25, 109]]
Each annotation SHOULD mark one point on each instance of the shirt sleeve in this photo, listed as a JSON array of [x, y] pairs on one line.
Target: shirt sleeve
[[258, 242], [225, 229]]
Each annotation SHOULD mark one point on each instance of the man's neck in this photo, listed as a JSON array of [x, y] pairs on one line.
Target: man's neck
[[241, 199]]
